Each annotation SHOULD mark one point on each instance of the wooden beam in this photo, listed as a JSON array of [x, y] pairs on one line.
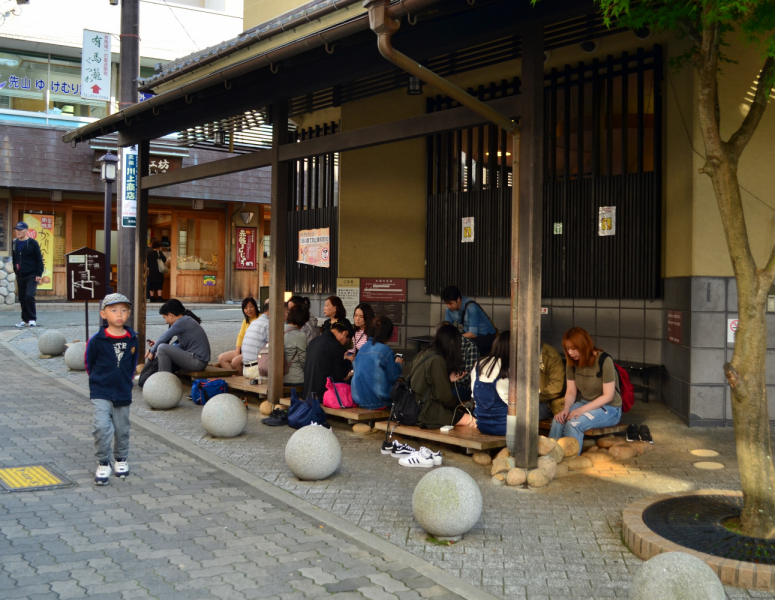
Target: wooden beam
[[279, 231], [527, 194], [216, 168]]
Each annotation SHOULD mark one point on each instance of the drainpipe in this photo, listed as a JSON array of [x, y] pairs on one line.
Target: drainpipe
[[384, 25]]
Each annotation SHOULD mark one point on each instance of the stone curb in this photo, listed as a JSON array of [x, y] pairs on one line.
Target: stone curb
[[646, 544], [377, 544]]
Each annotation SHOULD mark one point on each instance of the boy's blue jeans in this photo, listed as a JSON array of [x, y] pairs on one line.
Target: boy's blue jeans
[[605, 416], [110, 423]]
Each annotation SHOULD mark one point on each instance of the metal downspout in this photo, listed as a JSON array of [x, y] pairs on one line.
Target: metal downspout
[[383, 23]]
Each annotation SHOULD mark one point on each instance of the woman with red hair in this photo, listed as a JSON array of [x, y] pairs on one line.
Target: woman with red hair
[[592, 399]]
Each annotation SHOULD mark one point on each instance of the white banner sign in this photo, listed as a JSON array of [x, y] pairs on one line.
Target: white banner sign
[[129, 186], [95, 66], [349, 292], [468, 229], [606, 222]]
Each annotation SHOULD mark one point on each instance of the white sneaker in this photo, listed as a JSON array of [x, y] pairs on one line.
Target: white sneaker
[[32, 324], [422, 458], [401, 450], [102, 476], [21, 325], [121, 468], [435, 455]]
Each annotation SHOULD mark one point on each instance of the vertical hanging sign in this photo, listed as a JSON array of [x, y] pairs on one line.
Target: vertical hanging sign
[[95, 66], [606, 222], [246, 249], [129, 186]]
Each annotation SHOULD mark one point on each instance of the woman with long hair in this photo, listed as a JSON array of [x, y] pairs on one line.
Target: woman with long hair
[[362, 317], [376, 369], [192, 353], [490, 386], [295, 344], [233, 358], [155, 276], [334, 311], [592, 399]]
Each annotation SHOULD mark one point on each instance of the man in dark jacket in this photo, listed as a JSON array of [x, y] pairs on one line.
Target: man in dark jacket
[[28, 267], [325, 358]]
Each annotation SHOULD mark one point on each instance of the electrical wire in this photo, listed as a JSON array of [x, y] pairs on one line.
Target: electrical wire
[[183, 26], [691, 143]]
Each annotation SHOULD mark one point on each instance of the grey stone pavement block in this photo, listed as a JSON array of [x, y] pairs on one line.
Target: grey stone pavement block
[[178, 527]]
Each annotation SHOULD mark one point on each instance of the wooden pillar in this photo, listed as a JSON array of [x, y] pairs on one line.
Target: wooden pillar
[[141, 246], [278, 229], [527, 200]]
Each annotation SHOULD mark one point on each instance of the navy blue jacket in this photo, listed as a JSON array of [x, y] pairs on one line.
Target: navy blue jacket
[[110, 376], [29, 259]]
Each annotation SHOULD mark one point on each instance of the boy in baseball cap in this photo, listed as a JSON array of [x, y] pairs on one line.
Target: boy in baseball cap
[[111, 360]]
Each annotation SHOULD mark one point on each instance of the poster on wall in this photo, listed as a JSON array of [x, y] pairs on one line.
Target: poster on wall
[[606, 222], [349, 291], [42, 230], [129, 186], [468, 229], [95, 66], [383, 290], [246, 249], [314, 247]]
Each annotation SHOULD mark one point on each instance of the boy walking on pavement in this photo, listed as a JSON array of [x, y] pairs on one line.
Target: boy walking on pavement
[[111, 360]]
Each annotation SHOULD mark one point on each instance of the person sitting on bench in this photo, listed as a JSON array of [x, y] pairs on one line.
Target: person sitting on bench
[[233, 358], [432, 373], [192, 352], [552, 391], [326, 358], [464, 312], [295, 344], [376, 369], [600, 405]]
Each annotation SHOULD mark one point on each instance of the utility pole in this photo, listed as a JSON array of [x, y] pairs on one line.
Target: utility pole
[[129, 71]]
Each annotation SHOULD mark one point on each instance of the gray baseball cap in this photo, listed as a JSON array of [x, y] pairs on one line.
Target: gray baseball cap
[[115, 299]]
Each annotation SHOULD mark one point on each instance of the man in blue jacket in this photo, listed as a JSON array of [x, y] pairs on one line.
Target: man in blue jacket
[[111, 361], [28, 267], [464, 312]]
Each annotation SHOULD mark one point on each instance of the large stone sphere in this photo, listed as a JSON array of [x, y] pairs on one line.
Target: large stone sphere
[[447, 503], [224, 416], [674, 575], [52, 343], [75, 357], [162, 391], [313, 453]]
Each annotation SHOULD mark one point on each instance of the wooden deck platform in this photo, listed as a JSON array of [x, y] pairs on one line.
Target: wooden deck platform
[[466, 437], [613, 430], [240, 384], [209, 372], [353, 415]]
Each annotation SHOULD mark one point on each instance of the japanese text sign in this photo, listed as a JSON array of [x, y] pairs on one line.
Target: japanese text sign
[[315, 247], [129, 187], [246, 248], [675, 327], [383, 290], [95, 66], [468, 229], [349, 291], [42, 230]]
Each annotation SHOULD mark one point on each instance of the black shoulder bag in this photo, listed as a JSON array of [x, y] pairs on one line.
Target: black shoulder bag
[[405, 409]]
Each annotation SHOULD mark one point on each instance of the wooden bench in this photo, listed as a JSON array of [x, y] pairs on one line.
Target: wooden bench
[[466, 437], [353, 415], [209, 372], [240, 384], [613, 430]]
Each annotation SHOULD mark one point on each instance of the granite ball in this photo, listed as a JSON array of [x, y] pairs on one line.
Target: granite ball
[[224, 416], [447, 503], [313, 453], [75, 357], [162, 391], [52, 343], [674, 575]]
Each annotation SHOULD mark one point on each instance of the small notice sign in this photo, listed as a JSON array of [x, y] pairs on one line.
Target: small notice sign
[[607, 221], [468, 229], [732, 325], [383, 290], [558, 229], [349, 291], [315, 247], [675, 327]]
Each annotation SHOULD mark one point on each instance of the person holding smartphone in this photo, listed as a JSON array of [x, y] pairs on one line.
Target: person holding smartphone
[[438, 369], [376, 369]]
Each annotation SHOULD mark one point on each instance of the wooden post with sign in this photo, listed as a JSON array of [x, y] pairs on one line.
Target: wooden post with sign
[[85, 277]]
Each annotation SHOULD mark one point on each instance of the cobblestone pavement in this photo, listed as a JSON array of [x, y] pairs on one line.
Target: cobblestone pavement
[[560, 542], [178, 527]]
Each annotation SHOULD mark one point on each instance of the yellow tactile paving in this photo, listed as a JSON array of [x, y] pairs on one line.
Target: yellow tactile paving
[[15, 478]]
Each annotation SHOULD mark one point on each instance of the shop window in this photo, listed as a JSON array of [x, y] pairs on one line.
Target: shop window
[[197, 244]]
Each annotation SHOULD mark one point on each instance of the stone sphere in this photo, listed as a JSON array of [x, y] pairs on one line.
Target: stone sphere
[[52, 343], [313, 453], [75, 357], [447, 502], [674, 575], [162, 391], [224, 416]]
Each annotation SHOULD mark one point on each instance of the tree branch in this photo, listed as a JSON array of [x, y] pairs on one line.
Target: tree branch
[[691, 32], [770, 267], [742, 136]]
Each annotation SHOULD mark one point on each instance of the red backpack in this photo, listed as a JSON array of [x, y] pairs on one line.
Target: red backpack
[[625, 389]]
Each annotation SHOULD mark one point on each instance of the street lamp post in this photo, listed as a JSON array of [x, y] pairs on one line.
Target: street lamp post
[[108, 165]]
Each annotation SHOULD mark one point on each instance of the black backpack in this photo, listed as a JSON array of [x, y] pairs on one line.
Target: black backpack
[[405, 408]]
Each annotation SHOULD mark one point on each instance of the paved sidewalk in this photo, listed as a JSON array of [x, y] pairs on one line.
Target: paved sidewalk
[[183, 525]]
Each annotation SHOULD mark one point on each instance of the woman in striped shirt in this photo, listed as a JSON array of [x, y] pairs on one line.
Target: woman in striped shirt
[[361, 318]]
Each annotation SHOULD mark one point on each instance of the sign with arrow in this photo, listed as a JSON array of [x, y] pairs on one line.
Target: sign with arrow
[[95, 66]]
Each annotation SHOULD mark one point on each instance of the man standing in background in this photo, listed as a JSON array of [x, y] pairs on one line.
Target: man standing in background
[[28, 266]]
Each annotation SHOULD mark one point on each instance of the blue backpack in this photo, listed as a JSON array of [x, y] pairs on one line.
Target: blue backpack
[[303, 412], [204, 389]]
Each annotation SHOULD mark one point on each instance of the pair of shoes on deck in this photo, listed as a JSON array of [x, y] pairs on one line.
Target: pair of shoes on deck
[[409, 457], [639, 434]]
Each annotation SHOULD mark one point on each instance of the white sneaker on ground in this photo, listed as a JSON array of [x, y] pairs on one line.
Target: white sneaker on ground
[[21, 325], [32, 324], [121, 468], [435, 455], [401, 450], [422, 458], [102, 476]]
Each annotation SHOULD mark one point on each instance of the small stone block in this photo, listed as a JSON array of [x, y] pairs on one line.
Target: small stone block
[[482, 458], [266, 408], [570, 445], [361, 428]]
